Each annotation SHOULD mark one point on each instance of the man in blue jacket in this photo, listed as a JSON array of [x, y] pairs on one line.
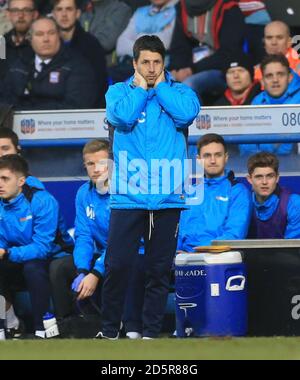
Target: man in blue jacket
[[225, 211], [83, 271], [281, 87], [25, 249], [9, 144], [149, 113], [276, 213]]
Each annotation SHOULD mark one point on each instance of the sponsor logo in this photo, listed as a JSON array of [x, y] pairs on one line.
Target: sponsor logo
[[28, 217], [27, 126], [203, 121], [190, 273], [185, 306], [223, 199], [90, 212]]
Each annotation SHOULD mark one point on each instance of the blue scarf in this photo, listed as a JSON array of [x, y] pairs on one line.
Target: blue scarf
[[152, 20]]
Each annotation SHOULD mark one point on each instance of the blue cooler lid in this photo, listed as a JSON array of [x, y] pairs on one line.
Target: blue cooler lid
[[230, 257]]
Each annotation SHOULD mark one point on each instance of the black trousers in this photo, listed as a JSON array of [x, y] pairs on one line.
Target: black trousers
[[125, 231], [62, 273], [33, 276]]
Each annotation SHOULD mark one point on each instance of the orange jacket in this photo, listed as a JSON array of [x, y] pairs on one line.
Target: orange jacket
[[293, 58]]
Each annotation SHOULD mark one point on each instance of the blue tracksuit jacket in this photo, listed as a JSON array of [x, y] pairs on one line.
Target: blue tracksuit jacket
[[224, 214], [91, 229], [149, 125], [29, 226]]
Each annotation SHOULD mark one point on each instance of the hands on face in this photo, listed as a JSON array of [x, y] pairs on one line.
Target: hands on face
[[139, 80], [160, 78]]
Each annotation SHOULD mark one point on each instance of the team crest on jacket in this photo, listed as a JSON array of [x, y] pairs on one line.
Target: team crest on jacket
[[54, 77], [28, 217], [90, 212]]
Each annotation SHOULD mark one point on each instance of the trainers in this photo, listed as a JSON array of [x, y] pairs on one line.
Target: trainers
[[16, 333], [133, 335], [100, 335]]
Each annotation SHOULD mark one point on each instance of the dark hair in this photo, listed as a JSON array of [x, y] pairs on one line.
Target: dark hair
[[274, 58], [150, 43], [15, 164], [208, 139], [263, 160], [6, 133], [77, 3], [95, 146]]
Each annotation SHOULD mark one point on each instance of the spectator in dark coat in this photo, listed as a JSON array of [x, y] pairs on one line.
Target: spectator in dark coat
[[54, 78], [222, 39], [66, 14], [21, 14], [241, 89]]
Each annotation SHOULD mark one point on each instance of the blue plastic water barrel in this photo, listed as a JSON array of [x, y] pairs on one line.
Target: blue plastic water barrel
[[211, 295]]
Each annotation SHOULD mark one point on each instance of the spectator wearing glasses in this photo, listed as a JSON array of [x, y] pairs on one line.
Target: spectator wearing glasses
[[276, 211], [21, 14]]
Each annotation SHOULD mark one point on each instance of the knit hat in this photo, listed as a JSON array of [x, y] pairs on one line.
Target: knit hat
[[242, 61]]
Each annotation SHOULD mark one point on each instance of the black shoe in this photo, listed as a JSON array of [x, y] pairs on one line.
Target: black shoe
[[16, 333]]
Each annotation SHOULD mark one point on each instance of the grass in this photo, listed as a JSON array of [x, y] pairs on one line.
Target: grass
[[274, 348]]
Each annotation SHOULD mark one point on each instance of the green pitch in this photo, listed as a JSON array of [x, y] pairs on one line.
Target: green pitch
[[172, 349]]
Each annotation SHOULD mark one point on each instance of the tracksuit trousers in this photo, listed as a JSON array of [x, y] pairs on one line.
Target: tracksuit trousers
[[159, 229]]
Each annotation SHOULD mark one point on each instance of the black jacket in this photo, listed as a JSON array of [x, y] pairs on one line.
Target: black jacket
[[13, 52], [89, 47], [223, 101], [231, 37], [66, 83]]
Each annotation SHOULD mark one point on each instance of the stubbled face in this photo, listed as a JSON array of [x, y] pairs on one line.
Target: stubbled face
[[263, 181], [215, 159], [66, 14], [96, 165], [149, 65], [10, 184], [276, 79], [238, 79], [45, 38], [7, 147], [21, 13], [276, 38]]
